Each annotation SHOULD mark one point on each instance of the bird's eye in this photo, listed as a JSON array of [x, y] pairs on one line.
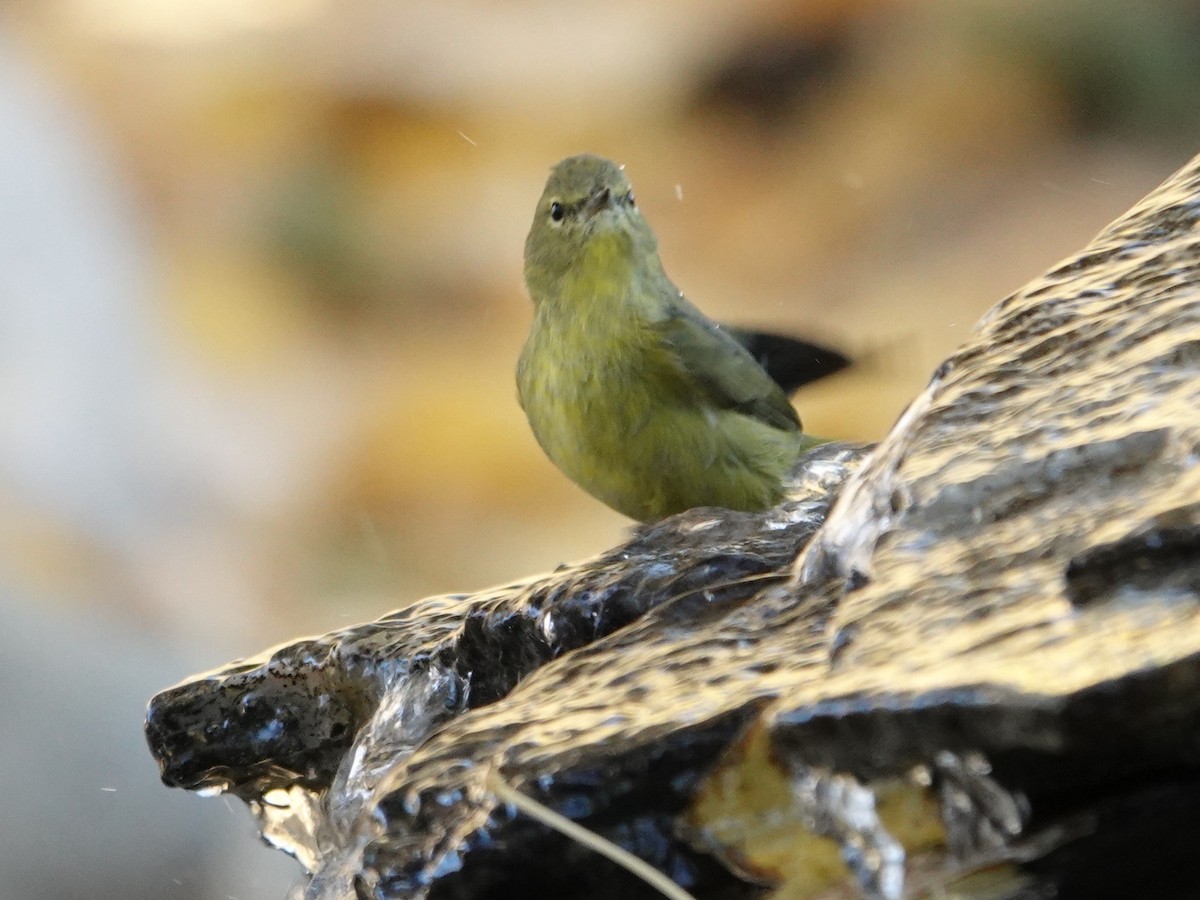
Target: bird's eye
[[629, 198], [556, 211]]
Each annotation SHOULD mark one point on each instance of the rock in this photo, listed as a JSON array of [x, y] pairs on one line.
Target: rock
[[966, 660]]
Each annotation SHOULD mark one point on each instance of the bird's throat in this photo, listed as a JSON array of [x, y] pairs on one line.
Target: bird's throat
[[604, 271]]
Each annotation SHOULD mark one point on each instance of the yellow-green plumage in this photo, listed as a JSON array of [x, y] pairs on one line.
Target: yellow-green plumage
[[630, 390]]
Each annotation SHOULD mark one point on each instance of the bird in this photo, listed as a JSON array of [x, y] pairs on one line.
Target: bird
[[631, 391]]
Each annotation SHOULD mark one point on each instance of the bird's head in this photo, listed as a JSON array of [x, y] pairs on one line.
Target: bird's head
[[587, 205]]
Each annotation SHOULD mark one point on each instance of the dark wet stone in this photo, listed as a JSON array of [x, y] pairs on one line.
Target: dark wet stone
[[1001, 609], [1161, 558], [371, 693]]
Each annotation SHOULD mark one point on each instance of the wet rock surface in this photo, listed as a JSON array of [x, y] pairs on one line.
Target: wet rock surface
[[996, 620], [328, 718]]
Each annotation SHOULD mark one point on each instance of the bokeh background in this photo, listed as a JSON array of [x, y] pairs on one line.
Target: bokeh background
[[261, 300]]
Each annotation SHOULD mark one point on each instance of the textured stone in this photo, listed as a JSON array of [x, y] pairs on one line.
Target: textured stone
[[999, 612]]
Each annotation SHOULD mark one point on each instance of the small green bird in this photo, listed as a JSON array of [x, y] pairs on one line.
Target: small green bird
[[632, 392]]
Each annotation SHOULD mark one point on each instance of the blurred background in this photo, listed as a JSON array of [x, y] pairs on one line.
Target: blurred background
[[261, 301]]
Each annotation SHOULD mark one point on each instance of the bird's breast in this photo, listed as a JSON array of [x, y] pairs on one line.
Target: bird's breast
[[583, 383]]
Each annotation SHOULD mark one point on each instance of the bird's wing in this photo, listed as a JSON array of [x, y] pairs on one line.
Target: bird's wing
[[790, 362], [723, 369]]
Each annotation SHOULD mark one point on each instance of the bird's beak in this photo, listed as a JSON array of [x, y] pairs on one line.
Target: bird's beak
[[600, 200]]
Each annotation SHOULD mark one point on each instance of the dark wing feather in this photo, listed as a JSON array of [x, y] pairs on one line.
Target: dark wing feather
[[791, 362], [724, 369]]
